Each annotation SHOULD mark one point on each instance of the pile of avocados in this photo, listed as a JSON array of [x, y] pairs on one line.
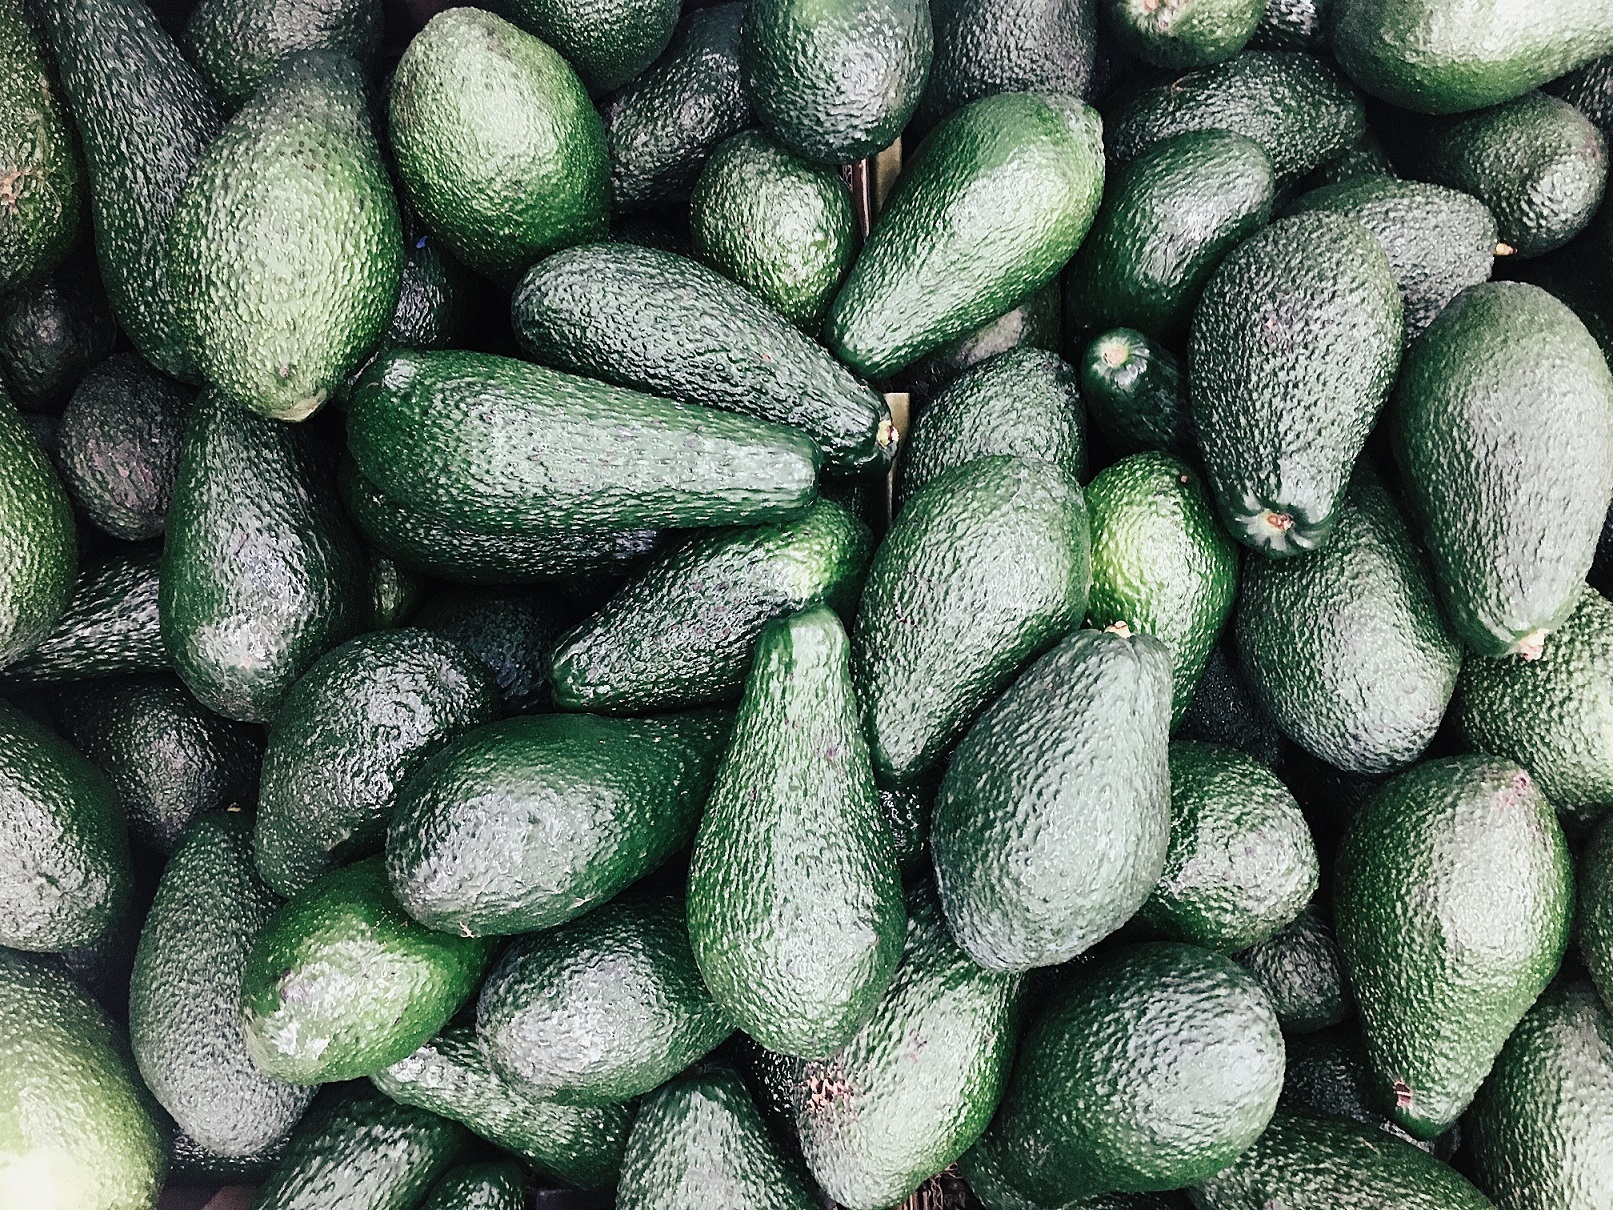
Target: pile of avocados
[[806, 605]]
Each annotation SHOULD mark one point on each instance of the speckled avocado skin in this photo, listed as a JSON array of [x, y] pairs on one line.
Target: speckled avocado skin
[[1303, 974], [110, 626], [492, 1185], [237, 44], [38, 552], [1420, 866], [1596, 910], [609, 42]]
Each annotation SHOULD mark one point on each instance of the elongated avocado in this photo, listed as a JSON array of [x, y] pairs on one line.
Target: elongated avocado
[[38, 554]]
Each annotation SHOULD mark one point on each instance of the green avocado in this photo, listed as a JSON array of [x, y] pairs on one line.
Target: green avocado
[[110, 626], [1303, 974], [608, 42], [237, 44], [37, 538], [1134, 391]]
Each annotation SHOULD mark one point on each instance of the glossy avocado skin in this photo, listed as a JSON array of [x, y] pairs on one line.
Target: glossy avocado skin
[[1536, 1136], [52, 330], [362, 1151], [185, 997], [465, 856], [683, 632], [661, 323], [608, 42], [1439, 241], [982, 570], [73, 1113], [1502, 424], [797, 957], [814, 85], [1161, 562], [491, 444], [1076, 747], [347, 736], [1134, 392], [41, 555], [1194, 33], [1436, 56], [169, 759], [1296, 106], [509, 630], [777, 225], [144, 117], [497, 143], [450, 1076], [237, 44], [285, 249], [602, 1009], [1300, 968], [1314, 1163], [1346, 649], [944, 257], [916, 1085], [662, 127], [1293, 350], [1168, 218], [1596, 910], [1434, 1018], [45, 204], [1082, 1114], [496, 1185], [700, 1144], [1024, 402], [1035, 322], [1554, 715], [260, 572], [110, 626], [302, 1018], [64, 850], [119, 446]]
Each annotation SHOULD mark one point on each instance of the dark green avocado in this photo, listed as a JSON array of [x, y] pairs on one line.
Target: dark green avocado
[[237, 44], [37, 536], [110, 626]]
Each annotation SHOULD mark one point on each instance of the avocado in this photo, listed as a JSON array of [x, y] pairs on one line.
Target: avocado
[[1509, 484], [907, 813], [65, 876], [43, 202], [777, 225], [1025, 402], [423, 543], [814, 83], [601, 1009], [1300, 968], [1293, 25], [1452, 849], [511, 631], [608, 44], [501, 153], [1439, 241], [799, 954], [237, 44], [436, 294], [991, 1189], [1161, 563], [1188, 33], [190, 1164], [1345, 648], [1166, 221], [1225, 711], [1537, 162], [450, 1076], [1447, 56], [916, 1085], [945, 254], [1328, 1076], [118, 448], [1241, 863], [657, 322], [1151, 1067], [1051, 828], [52, 330], [1035, 322], [524, 824], [494, 1185], [1537, 1133], [260, 572], [1313, 1163], [185, 997], [346, 737], [1588, 89], [1293, 351], [77, 1128], [1296, 106], [662, 127], [301, 1020], [1364, 156], [1553, 715], [395, 593], [981, 571], [1596, 910], [357, 1146], [991, 46], [492, 444], [1135, 394], [168, 759], [277, 309], [37, 535], [110, 626], [144, 116], [700, 1144]]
